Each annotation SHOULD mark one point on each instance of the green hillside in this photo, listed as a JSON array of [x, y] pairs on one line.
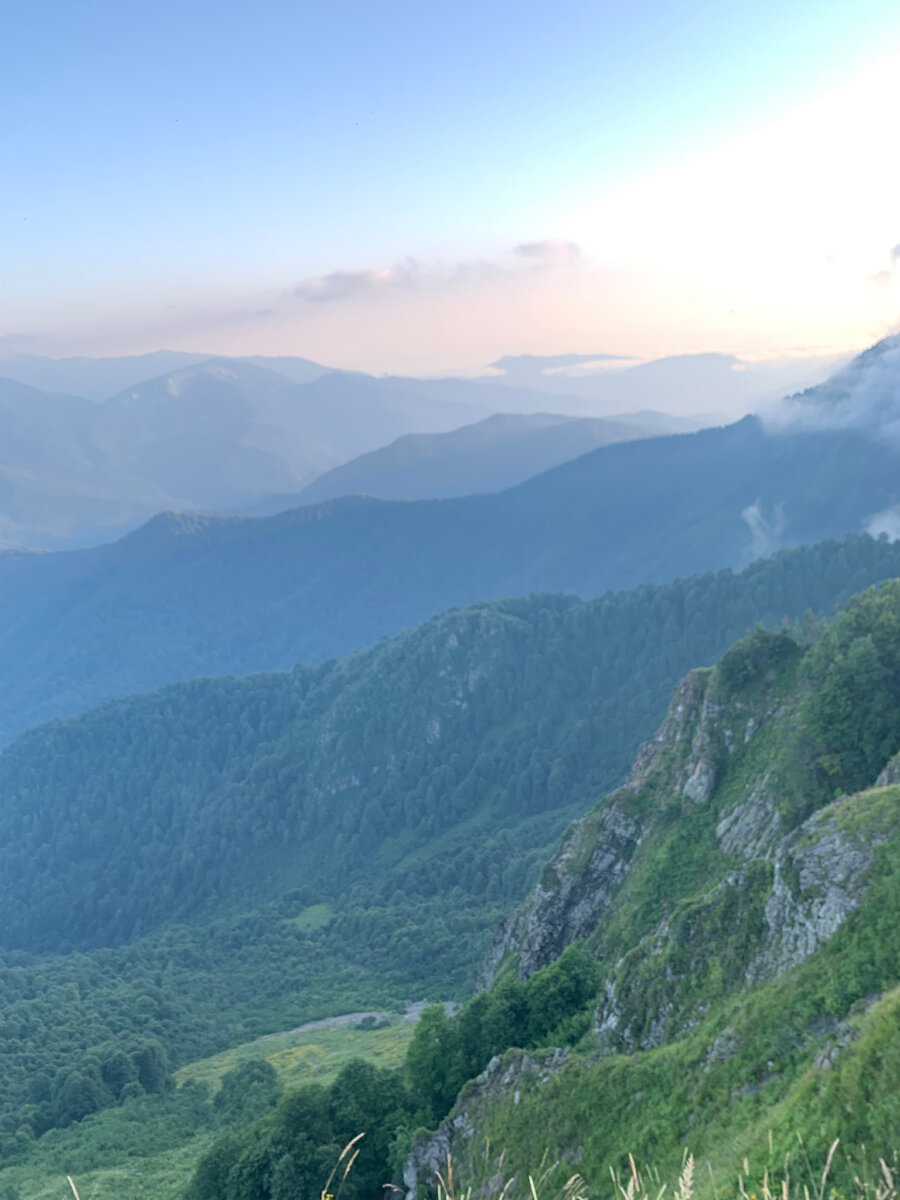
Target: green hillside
[[189, 870], [391, 771], [711, 960], [747, 955]]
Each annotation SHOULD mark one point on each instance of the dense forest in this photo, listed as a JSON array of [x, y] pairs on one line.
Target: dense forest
[[681, 1015], [445, 762], [480, 735], [187, 595]]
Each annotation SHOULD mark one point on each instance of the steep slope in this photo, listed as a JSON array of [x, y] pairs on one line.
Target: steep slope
[[186, 595], [739, 899], [489, 456]]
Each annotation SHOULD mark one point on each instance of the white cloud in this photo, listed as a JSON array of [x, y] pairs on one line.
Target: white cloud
[[765, 533], [886, 522], [864, 396]]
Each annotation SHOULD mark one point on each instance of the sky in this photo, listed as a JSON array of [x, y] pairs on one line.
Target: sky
[[423, 188]]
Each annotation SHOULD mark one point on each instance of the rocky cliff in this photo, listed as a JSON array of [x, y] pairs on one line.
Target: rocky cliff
[[730, 893]]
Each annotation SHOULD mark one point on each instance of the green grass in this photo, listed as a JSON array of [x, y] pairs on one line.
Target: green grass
[[315, 1056], [315, 916], [162, 1174], [158, 1177]]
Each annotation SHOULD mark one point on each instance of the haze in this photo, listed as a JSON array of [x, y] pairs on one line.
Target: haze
[[408, 190]]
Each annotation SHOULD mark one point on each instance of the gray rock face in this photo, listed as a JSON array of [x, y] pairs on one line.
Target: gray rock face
[[684, 734], [820, 874], [764, 901], [751, 827], [503, 1077], [595, 856], [574, 891]]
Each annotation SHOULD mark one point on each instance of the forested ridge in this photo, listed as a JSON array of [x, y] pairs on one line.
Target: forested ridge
[[392, 771], [163, 855], [188, 595]]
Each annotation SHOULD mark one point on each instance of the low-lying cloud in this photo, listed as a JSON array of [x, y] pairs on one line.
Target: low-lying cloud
[[765, 533], [864, 396], [885, 523]]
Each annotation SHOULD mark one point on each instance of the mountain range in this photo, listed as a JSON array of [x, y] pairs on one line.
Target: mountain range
[[211, 435], [189, 595], [172, 430], [219, 435], [209, 842], [719, 385]]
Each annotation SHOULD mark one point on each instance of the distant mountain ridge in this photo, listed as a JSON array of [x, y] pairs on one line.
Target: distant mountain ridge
[[215, 434], [720, 384], [487, 456], [98, 379], [174, 430], [189, 595]]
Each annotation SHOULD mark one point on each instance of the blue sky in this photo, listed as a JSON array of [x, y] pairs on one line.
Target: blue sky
[[202, 160]]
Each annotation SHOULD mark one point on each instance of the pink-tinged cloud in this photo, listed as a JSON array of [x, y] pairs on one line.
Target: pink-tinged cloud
[[342, 285], [346, 284]]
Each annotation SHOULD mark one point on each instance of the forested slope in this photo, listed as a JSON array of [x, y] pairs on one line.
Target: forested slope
[[186, 596], [374, 770], [710, 960], [288, 845]]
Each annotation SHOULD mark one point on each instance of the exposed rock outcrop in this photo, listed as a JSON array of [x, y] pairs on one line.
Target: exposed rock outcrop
[[820, 873], [573, 892], [503, 1077]]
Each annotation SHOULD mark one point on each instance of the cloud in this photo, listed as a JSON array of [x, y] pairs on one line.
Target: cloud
[[895, 253], [552, 252], [863, 396], [346, 284], [765, 535], [886, 522]]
